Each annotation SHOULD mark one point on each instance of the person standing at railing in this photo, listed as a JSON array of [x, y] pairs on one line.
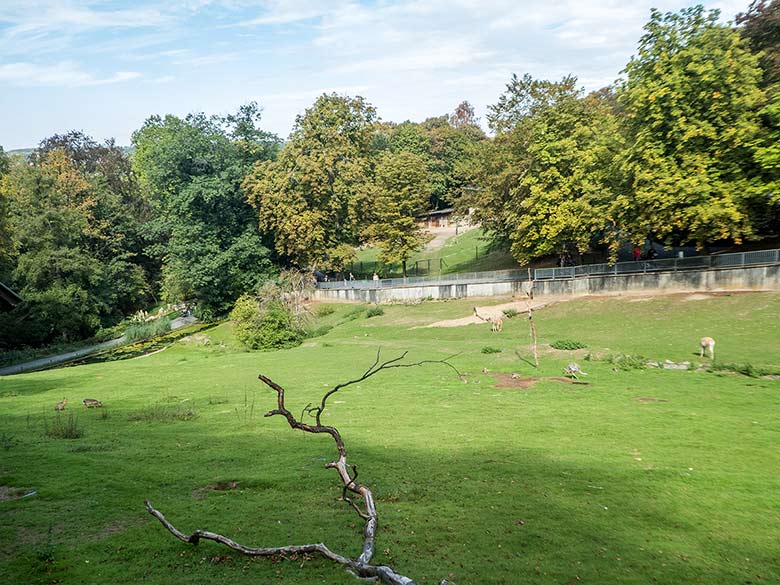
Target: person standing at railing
[[637, 253], [376, 280]]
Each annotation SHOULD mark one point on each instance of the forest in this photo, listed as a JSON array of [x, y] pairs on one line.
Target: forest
[[683, 149]]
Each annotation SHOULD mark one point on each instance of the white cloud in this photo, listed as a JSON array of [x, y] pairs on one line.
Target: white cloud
[[63, 74]]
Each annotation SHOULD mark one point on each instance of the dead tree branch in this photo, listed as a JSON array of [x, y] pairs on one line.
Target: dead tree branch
[[361, 566]]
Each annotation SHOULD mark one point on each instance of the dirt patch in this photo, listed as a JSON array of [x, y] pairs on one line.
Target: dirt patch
[[507, 381], [648, 399], [196, 339], [698, 297], [9, 492], [220, 486], [490, 312]]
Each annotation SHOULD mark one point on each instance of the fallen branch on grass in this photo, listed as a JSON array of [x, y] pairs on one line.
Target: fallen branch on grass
[[361, 566]]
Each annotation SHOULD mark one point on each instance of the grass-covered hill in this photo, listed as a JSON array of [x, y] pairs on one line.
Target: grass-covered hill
[[640, 476]]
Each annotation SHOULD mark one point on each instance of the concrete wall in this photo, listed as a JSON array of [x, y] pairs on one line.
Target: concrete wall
[[753, 278]]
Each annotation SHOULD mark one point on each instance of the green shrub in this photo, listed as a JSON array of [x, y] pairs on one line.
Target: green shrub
[[510, 313], [567, 344], [324, 310], [354, 313], [144, 331], [488, 349], [746, 369], [266, 328], [61, 427], [319, 331], [163, 413], [627, 362], [374, 312]]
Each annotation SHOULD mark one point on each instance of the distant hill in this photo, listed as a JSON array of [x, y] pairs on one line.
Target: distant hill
[[25, 152]]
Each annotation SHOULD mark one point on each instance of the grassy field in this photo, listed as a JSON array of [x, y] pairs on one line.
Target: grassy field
[[641, 476], [467, 252]]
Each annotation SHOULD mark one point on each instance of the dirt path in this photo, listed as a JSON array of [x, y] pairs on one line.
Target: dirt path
[[442, 234], [52, 360], [491, 312]]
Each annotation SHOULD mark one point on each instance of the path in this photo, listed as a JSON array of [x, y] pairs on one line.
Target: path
[[42, 363], [442, 234]]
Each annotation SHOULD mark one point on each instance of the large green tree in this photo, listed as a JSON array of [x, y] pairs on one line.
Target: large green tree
[[74, 214], [314, 198], [544, 184], [401, 192], [691, 99], [205, 234]]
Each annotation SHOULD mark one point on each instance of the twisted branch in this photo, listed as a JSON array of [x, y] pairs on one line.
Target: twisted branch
[[361, 567]]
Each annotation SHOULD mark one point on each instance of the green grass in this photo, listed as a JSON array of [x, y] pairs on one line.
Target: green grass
[[467, 252], [642, 476]]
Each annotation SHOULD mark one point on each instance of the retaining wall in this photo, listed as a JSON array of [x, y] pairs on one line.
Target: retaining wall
[[723, 279]]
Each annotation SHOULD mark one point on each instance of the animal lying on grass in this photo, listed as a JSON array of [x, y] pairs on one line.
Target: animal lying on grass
[[92, 403]]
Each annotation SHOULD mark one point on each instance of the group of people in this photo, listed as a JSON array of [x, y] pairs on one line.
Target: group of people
[[650, 254]]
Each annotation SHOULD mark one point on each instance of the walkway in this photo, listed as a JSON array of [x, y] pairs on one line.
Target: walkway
[[52, 360]]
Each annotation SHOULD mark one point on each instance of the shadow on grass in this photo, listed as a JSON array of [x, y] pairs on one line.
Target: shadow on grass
[[503, 514], [23, 385]]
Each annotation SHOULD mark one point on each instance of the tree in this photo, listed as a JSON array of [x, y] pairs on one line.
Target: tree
[[5, 229], [74, 214], [543, 185], [205, 234], [463, 116], [691, 99], [313, 199], [401, 194], [761, 27], [446, 143]]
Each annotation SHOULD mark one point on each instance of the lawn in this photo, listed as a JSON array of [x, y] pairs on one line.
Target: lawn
[[641, 476], [467, 252]]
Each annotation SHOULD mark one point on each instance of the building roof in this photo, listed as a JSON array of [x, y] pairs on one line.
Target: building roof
[[8, 298], [437, 212]]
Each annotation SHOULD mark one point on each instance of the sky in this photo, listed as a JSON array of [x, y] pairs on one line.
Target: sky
[[104, 66]]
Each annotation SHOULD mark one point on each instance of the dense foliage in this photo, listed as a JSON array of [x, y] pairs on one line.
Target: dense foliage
[[683, 150]]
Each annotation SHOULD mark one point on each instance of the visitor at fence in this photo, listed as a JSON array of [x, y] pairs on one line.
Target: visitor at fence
[[637, 253], [351, 276], [651, 253], [376, 279]]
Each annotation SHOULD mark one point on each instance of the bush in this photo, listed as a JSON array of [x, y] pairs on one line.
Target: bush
[[144, 331], [374, 312], [354, 313], [319, 331], [627, 362], [488, 349], [746, 369], [567, 344], [63, 428], [269, 327], [324, 310], [510, 313]]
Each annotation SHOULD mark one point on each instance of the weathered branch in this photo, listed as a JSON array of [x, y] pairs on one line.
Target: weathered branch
[[361, 567]]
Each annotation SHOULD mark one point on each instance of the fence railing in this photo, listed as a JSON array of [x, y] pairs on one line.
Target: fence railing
[[755, 258]]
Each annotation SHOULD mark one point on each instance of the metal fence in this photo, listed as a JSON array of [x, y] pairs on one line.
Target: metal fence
[[756, 258]]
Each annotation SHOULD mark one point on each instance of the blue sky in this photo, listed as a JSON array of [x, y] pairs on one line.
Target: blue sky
[[104, 66]]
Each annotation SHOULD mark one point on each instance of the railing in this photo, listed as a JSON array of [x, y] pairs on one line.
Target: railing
[[756, 258]]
